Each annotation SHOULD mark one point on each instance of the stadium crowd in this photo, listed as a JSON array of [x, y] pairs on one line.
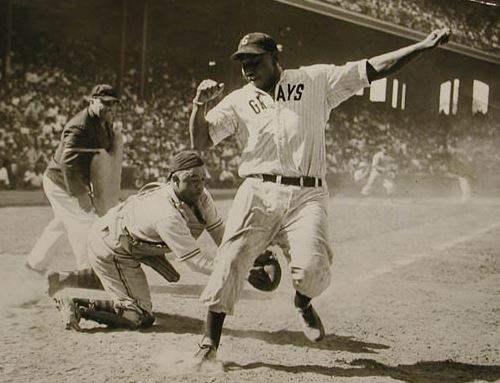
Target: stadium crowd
[[434, 147], [476, 25], [48, 87]]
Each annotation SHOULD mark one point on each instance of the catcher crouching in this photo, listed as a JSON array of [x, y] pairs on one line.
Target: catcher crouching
[[158, 225]]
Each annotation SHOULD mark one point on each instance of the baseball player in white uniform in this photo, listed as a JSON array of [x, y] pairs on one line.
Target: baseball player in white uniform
[[279, 120], [382, 168], [158, 225]]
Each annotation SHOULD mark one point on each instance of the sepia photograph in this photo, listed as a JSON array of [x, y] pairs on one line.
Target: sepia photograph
[[250, 191]]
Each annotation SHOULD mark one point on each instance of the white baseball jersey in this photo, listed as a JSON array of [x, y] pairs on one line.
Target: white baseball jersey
[[155, 216], [378, 161], [159, 216], [284, 134]]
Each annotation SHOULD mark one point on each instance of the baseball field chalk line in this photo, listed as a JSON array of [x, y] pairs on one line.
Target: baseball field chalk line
[[415, 257]]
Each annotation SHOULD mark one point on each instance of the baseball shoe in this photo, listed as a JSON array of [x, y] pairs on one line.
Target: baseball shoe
[[54, 283], [31, 268], [205, 360], [206, 352], [311, 324], [70, 313]]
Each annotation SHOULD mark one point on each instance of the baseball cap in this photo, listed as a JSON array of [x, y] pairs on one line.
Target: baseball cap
[[105, 92], [255, 43], [183, 161]]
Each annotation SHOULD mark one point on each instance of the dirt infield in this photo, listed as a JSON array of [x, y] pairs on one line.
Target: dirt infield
[[415, 298], [9, 198]]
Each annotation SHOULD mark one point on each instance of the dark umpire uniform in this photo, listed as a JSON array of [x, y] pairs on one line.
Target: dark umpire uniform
[[67, 180]]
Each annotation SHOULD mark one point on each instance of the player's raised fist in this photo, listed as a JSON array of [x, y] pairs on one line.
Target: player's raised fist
[[207, 91], [437, 37]]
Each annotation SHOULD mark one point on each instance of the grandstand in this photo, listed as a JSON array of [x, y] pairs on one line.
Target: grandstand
[[424, 114]]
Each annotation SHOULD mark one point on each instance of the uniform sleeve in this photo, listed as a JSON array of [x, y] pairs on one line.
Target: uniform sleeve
[[174, 232], [222, 120], [72, 160], [344, 81], [215, 224]]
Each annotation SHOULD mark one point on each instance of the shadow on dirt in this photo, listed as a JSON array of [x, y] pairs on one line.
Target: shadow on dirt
[[446, 371], [179, 324], [194, 291]]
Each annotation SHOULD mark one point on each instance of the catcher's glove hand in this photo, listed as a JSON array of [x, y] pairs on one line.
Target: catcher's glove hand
[[265, 274]]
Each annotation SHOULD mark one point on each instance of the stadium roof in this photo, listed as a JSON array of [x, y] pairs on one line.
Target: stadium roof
[[318, 6], [323, 8]]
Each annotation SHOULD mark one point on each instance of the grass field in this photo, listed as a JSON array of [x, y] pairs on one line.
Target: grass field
[[415, 298]]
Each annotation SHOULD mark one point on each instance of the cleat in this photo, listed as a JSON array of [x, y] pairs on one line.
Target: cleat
[[205, 360], [311, 324], [70, 313], [205, 353], [54, 283]]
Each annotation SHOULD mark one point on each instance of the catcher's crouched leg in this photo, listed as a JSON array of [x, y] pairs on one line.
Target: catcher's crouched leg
[[84, 279], [105, 312]]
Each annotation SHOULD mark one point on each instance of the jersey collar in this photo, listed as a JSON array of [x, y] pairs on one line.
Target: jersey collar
[[252, 88]]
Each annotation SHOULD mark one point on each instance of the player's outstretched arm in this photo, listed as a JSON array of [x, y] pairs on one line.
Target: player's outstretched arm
[[202, 263], [198, 126], [386, 64]]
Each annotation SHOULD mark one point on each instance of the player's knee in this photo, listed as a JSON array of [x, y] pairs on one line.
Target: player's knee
[[312, 279], [236, 261]]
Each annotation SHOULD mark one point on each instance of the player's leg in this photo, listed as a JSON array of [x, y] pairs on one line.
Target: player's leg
[[388, 185], [124, 280], [465, 189], [43, 251], [102, 311], [76, 221], [253, 220], [306, 232], [83, 279], [368, 188]]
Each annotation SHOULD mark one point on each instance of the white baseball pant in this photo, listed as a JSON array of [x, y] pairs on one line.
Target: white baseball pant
[[67, 214], [295, 218], [121, 275]]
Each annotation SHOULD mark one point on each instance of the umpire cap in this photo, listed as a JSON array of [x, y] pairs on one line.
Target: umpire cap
[[255, 43], [105, 92]]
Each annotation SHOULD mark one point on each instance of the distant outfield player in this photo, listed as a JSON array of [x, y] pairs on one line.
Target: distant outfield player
[[279, 118], [381, 172]]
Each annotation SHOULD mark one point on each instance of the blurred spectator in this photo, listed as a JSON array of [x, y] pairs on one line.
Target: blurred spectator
[[33, 178], [4, 177], [227, 178], [474, 24]]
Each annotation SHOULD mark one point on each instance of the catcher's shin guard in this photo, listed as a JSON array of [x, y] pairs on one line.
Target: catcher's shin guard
[[84, 279], [104, 312], [88, 279]]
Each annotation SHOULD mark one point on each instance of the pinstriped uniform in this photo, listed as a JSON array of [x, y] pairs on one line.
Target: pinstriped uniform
[[281, 135], [155, 216]]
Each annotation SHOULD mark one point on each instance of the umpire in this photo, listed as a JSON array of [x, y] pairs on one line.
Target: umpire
[[67, 180]]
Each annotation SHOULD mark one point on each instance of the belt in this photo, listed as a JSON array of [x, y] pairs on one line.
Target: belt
[[295, 181]]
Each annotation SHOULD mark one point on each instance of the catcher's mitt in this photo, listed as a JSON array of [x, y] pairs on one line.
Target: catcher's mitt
[[265, 274]]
